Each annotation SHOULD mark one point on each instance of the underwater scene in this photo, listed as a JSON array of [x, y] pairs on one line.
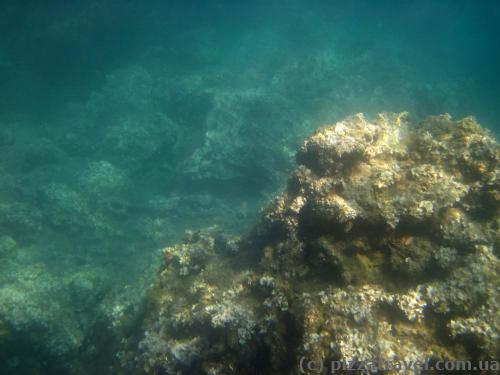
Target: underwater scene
[[249, 187]]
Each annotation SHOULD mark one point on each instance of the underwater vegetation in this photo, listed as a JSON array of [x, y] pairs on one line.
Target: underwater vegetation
[[384, 246]]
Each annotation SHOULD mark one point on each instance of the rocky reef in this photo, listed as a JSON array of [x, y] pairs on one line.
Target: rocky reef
[[384, 246]]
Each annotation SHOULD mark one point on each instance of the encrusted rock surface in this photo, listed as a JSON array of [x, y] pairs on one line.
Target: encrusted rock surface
[[383, 247]]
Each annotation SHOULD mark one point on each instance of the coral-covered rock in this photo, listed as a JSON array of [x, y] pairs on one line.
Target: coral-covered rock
[[383, 247]]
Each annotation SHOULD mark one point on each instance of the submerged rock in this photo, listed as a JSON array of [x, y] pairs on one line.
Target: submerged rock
[[383, 247]]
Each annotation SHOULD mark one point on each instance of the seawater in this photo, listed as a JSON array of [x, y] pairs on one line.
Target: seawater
[[124, 124]]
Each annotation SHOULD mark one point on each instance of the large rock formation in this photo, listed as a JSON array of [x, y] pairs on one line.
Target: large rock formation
[[383, 247]]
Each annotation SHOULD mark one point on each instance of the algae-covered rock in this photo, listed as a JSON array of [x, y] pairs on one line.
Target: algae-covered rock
[[7, 245], [383, 247]]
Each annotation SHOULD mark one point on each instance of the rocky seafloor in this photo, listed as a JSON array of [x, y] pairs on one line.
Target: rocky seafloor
[[384, 246], [88, 194], [124, 126]]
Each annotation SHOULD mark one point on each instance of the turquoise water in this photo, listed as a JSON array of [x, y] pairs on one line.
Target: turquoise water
[[123, 124]]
